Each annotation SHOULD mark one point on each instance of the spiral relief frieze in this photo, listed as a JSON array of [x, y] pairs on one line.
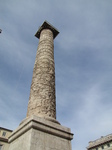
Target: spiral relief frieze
[[42, 94]]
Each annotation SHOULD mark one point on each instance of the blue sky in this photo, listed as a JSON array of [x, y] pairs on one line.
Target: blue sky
[[83, 63]]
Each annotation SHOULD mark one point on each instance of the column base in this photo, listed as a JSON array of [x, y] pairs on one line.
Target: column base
[[38, 133], [46, 118]]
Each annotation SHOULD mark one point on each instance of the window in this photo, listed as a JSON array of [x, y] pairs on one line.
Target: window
[[4, 134], [0, 147], [102, 147], [108, 144], [97, 148]]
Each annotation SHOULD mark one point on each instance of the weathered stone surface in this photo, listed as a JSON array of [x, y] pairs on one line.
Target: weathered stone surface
[[42, 95], [39, 133], [36, 132]]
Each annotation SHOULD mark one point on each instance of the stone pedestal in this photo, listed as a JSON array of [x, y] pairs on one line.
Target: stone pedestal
[[37, 133]]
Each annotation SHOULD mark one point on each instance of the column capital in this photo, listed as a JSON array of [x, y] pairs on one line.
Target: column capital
[[47, 25]]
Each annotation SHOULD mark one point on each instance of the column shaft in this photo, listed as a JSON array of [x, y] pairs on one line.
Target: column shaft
[[42, 94]]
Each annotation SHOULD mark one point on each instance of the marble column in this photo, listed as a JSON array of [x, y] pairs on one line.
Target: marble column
[[42, 101], [40, 129]]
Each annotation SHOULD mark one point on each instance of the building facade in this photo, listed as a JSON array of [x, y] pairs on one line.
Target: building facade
[[4, 134], [103, 143]]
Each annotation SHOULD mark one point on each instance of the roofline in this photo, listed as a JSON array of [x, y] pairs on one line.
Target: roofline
[[99, 144], [6, 129]]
